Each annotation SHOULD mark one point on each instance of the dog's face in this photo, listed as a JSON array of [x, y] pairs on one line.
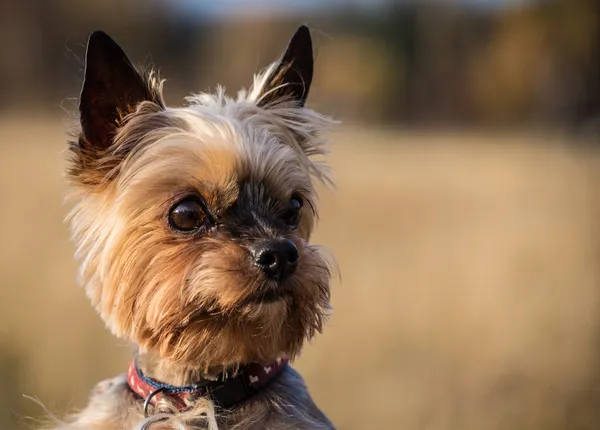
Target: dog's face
[[192, 223]]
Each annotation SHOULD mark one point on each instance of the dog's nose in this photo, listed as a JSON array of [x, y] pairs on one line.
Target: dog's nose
[[277, 258]]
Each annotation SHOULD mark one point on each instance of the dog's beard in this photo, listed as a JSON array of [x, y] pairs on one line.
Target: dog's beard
[[234, 315], [208, 306]]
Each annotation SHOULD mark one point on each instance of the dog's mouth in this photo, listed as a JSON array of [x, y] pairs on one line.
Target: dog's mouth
[[273, 294]]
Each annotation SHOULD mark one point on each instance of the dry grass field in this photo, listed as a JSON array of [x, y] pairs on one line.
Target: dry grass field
[[469, 298]]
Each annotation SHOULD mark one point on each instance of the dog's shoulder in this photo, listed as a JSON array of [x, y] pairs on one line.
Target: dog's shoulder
[[285, 404]]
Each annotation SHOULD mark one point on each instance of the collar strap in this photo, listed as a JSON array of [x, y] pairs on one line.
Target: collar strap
[[225, 393]]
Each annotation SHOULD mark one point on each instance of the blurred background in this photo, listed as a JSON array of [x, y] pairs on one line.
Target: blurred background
[[465, 223]]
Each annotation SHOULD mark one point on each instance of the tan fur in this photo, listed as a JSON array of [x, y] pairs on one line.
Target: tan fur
[[186, 303]]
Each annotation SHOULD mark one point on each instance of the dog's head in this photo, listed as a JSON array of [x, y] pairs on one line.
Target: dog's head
[[193, 223]]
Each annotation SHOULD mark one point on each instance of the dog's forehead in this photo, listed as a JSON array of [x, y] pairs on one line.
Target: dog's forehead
[[217, 155], [272, 166], [253, 147]]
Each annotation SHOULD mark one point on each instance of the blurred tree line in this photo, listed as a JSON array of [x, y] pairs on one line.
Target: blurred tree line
[[411, 63]]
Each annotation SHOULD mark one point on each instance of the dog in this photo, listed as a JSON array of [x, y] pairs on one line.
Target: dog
[[192, 228]]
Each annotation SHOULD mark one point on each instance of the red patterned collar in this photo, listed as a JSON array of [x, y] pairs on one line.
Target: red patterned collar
[[225, 393]]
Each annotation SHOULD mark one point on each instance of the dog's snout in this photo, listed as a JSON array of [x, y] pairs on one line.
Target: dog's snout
[[277, 258]]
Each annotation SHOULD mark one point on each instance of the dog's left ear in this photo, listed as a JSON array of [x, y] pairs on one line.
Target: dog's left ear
[[292, 75]]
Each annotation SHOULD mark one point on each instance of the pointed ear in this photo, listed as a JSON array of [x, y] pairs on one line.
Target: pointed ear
[[112, 88], [292, 75]]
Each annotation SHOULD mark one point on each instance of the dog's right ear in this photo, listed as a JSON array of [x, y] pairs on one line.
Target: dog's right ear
[[112, 88], [292, 75]]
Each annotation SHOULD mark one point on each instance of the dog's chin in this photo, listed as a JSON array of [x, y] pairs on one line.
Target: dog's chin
[[268, 320]]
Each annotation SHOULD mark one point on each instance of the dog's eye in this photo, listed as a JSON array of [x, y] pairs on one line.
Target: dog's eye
[[187, 216], [292, 214]]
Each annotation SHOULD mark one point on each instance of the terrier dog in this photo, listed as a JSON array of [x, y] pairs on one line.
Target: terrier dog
[[192, 228]]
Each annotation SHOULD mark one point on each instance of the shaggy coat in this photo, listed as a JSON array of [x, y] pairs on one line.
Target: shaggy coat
[[191, 302]]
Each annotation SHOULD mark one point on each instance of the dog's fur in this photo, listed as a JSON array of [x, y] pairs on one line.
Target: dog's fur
[[190, 303]]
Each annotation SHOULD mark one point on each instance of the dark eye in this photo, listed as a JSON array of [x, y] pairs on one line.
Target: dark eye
[[292, 215], [187, 216]]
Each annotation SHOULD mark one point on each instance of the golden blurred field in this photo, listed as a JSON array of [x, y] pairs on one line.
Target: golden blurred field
[[469, 300]]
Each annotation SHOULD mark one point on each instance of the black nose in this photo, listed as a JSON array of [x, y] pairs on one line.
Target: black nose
[[276, 258]]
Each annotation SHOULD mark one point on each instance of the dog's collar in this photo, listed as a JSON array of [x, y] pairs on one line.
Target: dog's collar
[[224, 392]]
